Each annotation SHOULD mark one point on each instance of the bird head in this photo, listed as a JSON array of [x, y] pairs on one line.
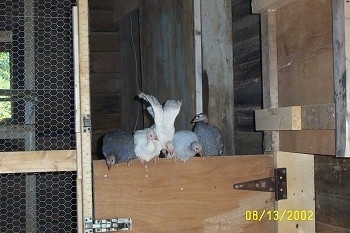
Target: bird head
[[110, 161], [197, 147], [152, 135], [201, 117]]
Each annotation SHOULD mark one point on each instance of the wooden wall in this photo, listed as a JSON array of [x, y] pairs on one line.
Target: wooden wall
[[305, 71], [105, 81], [247, 77], [167, 59]]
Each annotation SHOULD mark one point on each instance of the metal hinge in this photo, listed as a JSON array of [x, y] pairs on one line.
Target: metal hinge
[[276, 184], [87, 123], [105, 225]]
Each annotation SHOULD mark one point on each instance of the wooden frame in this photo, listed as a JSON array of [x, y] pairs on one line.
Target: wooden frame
[[300, 193], [84, 168]]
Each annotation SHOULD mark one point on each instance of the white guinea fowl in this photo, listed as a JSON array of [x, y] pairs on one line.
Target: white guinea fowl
[[209, 136], [185, 145], [164, 117], [146, 144]]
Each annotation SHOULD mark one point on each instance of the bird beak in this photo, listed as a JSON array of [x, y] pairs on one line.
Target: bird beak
[[109, 166]]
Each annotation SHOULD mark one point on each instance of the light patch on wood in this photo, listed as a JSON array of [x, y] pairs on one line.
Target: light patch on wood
[[233, 221], [300, 192], [37, 161], [196, 196], [259, 6], [287, 118]]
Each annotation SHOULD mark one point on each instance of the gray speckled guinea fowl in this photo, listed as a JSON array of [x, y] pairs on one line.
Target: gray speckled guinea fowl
[[118, 147], [209, 136], [185, 145]]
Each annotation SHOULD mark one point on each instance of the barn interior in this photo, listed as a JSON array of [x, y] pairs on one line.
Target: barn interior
[[161, 31], [217, 65]]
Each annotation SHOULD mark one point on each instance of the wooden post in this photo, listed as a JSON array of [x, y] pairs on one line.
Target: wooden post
[[84, 165], [29, 80], [217, 55], [198, 54], [341, 48], [269, 73]]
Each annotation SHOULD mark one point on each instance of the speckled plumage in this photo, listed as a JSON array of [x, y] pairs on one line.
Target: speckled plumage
[[209, 136], [118, 146], [185, 144]]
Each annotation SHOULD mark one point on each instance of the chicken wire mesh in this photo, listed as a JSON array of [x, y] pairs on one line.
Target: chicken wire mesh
[[51, 209], [37, 112], [37, 83]]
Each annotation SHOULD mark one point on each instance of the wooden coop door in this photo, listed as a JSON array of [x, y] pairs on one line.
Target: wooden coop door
[[196, 196]]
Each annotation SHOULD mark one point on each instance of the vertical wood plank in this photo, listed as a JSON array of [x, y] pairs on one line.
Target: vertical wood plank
[[341, 47], [269, 73], [217, 56], [167, 54], [84, 71], [198, 54], [300, 192], [131, 111]]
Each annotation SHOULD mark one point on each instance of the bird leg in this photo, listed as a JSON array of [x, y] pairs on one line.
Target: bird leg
[[156, 159]]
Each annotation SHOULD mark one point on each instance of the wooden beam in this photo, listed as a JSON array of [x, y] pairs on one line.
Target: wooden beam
[[269, 73], [38, 161], [259, 6], [320, 142], [341, 48], [196, 196], [299, 207], [287, 118], [320, 116], [122, 8], [296, 118]]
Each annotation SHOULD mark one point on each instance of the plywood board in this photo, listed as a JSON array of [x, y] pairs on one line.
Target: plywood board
[[299, 207], [196, 196]]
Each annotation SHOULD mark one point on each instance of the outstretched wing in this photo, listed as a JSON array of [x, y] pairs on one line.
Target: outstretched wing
[[156, 107], [171, 109]]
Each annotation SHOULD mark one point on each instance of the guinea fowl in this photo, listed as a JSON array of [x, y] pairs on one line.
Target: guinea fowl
[[146, 144], [209, 136], [185, 145], [164, 117], [118, 146]]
